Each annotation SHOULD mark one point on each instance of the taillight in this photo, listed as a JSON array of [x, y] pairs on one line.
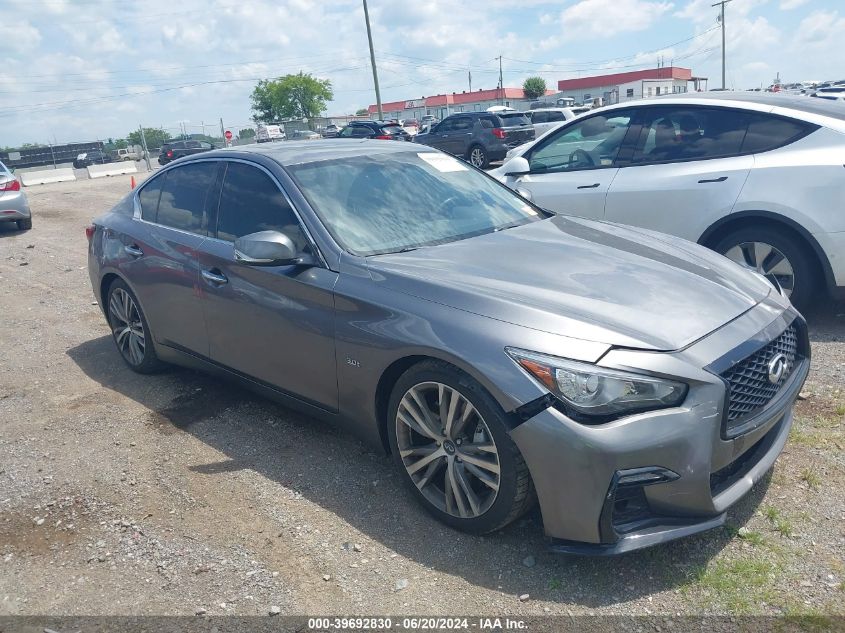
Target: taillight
[[89, 232], [499, 132], [384, 137], [12, 185], [170, 153]]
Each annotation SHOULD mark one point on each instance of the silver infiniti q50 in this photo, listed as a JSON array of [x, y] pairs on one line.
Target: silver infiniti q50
[[635, 384]]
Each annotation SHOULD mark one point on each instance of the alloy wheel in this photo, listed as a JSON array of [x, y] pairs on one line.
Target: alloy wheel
[[127, 327], [476, 157], [448, 450], [766, 260]]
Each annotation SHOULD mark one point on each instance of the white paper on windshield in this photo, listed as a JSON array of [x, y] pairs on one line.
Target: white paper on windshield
[[441, 162]]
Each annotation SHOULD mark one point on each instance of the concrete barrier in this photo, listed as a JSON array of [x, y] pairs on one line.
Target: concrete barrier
[[45, 176], [112, 169]]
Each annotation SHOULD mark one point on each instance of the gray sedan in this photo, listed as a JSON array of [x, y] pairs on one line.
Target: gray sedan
[[637, 385], [13, 203]]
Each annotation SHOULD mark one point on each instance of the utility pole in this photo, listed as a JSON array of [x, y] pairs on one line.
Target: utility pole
[[373, 61], [501, 85], [722, 4], [144, 145], [223, 133], [469, 77]]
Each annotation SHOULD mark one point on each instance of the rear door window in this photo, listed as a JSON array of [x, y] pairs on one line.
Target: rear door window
[[766, 132], [250, 202], [183, 196], [540, 117], [556, 116], [391, 129], [683, 134]]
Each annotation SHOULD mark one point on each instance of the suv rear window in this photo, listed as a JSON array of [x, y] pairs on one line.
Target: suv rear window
[[514, 119], [391, 129]]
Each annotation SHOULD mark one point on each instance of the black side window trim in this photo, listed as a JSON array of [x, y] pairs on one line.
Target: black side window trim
[[640, 119]]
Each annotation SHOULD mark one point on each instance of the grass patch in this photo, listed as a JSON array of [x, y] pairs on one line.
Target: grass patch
[[779, 521], [809, 476], [738, 585], [555, 584], [840, 410], [754, 538]]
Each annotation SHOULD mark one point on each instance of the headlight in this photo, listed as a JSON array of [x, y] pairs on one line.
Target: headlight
[[596, 392]]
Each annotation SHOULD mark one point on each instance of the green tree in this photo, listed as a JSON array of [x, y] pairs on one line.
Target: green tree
[[155, 137], [362, 112], [290, 97], [534, 87], [247, 132]]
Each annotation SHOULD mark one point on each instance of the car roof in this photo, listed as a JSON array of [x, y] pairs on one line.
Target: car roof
[[819, 111], [300, 152]]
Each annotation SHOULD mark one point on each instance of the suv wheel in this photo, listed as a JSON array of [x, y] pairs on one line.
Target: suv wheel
[[776, 255], [478, 157], [449, 437]]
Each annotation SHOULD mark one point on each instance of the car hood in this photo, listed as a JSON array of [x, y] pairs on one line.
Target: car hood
[[583, 279]]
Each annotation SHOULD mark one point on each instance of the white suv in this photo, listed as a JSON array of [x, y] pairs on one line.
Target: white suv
[[758, 177], [544, 119]]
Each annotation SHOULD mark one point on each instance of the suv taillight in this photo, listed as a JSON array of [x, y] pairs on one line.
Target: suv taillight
[[12, 185], [170, 153], [499, 132], [384, 137], [89, 232]]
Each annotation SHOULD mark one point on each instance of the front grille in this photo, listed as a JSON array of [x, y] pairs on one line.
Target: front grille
[[748, 380]]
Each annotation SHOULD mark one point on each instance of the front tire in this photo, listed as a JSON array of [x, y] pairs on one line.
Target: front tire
[[450, 439], [777, 255], [130, 329], [478, 157]]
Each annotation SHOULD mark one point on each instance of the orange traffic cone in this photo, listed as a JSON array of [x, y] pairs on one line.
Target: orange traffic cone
[[132, 182]]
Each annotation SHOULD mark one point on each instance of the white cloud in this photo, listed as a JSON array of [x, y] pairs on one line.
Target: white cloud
[[821, 29], [605, 18], [788, 5], [18, 36]]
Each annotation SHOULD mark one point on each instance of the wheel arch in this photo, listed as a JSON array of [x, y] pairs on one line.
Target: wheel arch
[[742, 219], [392, 373]]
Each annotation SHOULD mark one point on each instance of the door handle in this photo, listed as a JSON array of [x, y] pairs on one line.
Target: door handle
[[719, 179], [133, 250], [214, 277], [593, 186]]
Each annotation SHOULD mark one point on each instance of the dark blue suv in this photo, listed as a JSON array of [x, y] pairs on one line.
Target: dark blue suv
[[479, 137]]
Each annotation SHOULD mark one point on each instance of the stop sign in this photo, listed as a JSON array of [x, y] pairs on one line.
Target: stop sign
[[228, 135]]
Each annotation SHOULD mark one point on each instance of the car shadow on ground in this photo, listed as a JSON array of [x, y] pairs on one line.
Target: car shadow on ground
[[10, 229], [362, 487]]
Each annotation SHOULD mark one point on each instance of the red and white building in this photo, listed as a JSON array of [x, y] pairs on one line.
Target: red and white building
[[443, 105], [637, 84]]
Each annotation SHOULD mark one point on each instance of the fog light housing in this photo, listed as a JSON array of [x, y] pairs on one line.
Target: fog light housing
[[625, 506]]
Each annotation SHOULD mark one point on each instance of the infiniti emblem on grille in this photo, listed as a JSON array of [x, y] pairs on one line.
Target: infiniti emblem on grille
[[777, 368]]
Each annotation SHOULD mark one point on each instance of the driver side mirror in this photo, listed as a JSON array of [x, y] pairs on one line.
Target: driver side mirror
[[268, 248], [517, 166]]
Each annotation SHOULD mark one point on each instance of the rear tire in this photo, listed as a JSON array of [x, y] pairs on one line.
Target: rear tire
[[477, 156], [474, 452], [130, 330], [746, 245], [24, 225]]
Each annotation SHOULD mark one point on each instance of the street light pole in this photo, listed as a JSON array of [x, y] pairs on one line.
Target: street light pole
[[373, 61], [722, 4]]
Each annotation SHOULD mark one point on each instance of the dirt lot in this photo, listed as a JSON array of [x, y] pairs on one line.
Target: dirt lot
[[178, 493]]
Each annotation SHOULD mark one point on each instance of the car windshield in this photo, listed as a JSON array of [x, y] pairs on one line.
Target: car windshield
[[514, 119], [395, 202]]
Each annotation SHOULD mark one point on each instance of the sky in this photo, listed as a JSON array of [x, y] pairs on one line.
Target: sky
[[81, 70]]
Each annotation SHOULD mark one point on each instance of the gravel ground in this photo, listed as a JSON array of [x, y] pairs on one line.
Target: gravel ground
[[182, 494]]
